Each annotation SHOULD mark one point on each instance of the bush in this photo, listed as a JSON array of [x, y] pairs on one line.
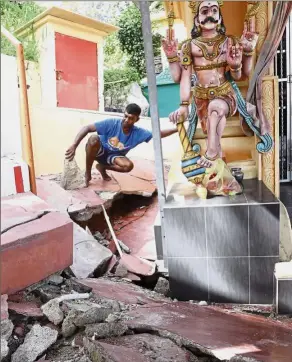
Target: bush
[[131, 39], [116, 85], [13, 15]]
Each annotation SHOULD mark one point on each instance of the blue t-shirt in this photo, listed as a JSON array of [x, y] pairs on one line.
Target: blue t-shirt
[[114, 140]]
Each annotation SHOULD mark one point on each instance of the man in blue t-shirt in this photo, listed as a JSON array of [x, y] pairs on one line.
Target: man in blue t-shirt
[[114, 139]]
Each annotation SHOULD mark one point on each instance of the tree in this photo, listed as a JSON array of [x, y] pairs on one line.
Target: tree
[[116, 86], [106, 11], [131, 39], [14, 14]]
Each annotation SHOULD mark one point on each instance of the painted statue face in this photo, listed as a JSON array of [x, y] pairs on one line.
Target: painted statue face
[[209, 15]]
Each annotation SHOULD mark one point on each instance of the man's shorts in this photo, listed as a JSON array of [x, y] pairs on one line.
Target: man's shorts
[[104, 157]]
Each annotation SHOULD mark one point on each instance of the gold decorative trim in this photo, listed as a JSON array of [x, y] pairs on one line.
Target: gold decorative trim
[[270, 160], [212, 92], [261, 21], [210, 66], [186, 58], [191, 168], [252, 10], [216, 45], [195, 5]]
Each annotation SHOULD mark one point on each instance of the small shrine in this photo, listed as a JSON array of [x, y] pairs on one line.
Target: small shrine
[[70, 58]]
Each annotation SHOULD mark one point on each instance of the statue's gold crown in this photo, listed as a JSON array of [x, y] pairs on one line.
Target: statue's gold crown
[[194, 5]]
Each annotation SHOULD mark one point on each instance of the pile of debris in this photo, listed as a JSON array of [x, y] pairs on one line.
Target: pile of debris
[[112, 319], [65, 319]]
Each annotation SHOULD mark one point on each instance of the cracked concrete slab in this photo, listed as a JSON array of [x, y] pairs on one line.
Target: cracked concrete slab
[[89, 255], [216, 332], [83, 203], [35, 242]]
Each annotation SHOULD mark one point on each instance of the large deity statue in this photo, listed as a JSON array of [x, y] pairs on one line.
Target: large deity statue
[[207, 67]]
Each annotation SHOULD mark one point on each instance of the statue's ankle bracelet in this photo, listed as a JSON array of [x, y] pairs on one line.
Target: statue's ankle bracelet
[[211, 158]]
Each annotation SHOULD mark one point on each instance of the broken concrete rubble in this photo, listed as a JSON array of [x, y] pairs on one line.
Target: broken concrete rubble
[[105, 330], [135, 321], [53, 311], [102, 352], [6, 329], [28, 309], [162, 286], [93, 315], [83, 203], [150, 346], [52, 308], [88, 255], [55, 279], [68, 325], [32, 250], [4, 348], [37, 341], [4, 307]]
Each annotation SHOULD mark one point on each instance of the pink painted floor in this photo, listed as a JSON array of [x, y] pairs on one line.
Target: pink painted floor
[[136, 230], [140, 181], [225, 334]]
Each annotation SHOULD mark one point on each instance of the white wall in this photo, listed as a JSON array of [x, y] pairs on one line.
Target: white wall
[[54, 130], [11, 144], [10, 109], [8, 183]]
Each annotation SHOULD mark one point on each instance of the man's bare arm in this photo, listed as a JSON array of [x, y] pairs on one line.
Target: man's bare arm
[[168, 132], [70, 153]]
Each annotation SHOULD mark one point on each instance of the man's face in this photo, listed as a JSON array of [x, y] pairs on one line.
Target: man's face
[[130, 119], [209, 15]]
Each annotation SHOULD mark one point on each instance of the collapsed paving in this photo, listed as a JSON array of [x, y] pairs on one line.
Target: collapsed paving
[[97, 310], [111, 319]]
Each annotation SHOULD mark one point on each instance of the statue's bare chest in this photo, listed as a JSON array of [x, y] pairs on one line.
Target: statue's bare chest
[[205, 52]]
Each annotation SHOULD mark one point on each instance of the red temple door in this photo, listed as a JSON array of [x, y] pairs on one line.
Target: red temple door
[[76, 73]]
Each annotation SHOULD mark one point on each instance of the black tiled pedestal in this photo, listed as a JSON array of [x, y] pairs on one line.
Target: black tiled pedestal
[[222, 249], [283, 290]]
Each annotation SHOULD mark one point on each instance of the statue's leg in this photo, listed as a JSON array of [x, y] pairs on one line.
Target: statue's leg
[[218, 110]]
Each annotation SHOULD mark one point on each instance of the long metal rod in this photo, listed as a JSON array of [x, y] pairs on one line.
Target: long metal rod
[[25, 117], [151, 80]]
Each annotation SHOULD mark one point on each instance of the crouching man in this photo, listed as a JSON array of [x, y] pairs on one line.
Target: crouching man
[[114, 138]]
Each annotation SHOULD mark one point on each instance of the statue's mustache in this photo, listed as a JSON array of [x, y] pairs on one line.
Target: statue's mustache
[[209, 19]]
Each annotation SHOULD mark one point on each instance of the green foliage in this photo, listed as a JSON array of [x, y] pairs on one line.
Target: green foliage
[[131, 39], [13, 15], [116, 85], [114, 57]]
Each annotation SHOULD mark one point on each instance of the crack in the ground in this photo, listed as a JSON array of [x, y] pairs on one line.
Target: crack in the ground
[[196, 349], [35, 217]]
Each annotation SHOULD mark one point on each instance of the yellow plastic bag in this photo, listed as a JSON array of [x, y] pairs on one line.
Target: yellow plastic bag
[[218, 180]]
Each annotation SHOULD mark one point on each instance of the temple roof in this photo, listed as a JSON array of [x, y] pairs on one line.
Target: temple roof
[[68, 16], [163, 78]]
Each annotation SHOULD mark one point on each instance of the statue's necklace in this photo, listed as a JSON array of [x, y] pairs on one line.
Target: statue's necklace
[[214, 42]]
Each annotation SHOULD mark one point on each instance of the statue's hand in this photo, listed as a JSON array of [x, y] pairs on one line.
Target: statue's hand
[[234, 54], [249, 37], [175, 116], [170, 45]]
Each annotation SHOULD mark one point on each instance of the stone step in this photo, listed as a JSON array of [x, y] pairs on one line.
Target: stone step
[[36, 241], [232, 129]]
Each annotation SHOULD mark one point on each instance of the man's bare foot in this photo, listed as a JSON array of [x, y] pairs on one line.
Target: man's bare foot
[[102, 171], [87, 178]]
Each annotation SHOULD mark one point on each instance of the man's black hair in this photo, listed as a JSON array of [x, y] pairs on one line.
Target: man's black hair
[[134, 109]]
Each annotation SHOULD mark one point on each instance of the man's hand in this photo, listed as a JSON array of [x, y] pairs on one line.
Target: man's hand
[[175, 116], [70, 153]]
